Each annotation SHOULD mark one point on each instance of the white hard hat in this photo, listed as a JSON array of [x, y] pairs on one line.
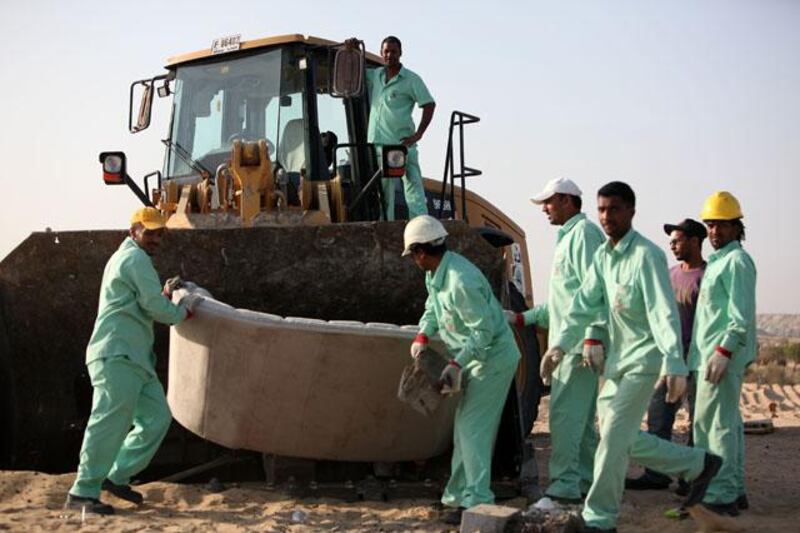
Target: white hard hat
[[423, 229], [557, 186]]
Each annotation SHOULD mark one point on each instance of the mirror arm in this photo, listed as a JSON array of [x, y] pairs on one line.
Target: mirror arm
[[138, 191]]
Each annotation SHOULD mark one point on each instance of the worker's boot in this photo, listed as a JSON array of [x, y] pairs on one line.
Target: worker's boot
[[453, 517], [729, 509], [92, 505], [124, 492], [648, 481], [743, 503], [697, 490]]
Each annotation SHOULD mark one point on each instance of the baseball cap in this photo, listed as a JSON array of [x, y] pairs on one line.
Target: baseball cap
[[149, 217], [557, 186], [690, 227]]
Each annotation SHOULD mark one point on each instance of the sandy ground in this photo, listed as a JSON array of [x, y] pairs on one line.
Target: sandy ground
[[31, 501]]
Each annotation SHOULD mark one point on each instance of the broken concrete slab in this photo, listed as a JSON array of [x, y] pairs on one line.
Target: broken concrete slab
[[486, 518]]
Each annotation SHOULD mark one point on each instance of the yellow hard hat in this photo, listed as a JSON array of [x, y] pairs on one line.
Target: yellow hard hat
[[149, 217], [721, 205]]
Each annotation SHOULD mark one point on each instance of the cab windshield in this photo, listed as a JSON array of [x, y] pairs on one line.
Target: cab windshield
[[252, 97]]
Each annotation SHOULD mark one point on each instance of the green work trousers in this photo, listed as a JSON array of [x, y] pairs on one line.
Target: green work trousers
[[718, 428], [125, 395], [476, 423], [573, 396], [412, 187], [620, 408]]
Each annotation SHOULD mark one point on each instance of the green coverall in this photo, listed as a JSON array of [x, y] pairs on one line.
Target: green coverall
[[121, 364], [470, 321], [726, 317], [391, 105], [628, 285], [573, 392]]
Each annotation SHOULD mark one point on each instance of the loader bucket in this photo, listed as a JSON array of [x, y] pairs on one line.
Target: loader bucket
[[49, 288]]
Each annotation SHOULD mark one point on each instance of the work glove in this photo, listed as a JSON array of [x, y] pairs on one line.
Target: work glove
[[676, 388], [717, 365], [514, 318], [419, 345], [191, 301], [594, 355], [171, 285], [450, 380], [550, 361]]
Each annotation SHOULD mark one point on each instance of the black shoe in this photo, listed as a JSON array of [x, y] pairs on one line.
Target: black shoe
[[711, 465], [645, 482], [730, 509], [453, 518], [588, 529], [124, 492], [683, 488], [742, 502], [92, 505]]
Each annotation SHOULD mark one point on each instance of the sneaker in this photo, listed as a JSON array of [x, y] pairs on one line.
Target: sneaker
[[697, 489], [453, 518], [743, 503], [730, 509], [583, 528], [561, 499], [92, 505], [124, 492], [645, 482]]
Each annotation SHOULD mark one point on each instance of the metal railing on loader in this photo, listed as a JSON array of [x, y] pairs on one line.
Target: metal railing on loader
[[458, 119]]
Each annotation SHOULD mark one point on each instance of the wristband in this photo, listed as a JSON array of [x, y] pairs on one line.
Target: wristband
[[723, 352], [592, 342], [454, 363], [519, 320], [421, 338]]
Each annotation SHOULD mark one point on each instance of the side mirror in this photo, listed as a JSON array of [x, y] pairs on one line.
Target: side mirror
[[143, 88], [348, 71], [114, 170], [394, 161]]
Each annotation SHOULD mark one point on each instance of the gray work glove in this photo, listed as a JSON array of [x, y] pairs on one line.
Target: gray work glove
[[191, 301], [594, 355], [419, 345], [716, 367], [171, 285], [550, 361], [676, 388], [450, 379]]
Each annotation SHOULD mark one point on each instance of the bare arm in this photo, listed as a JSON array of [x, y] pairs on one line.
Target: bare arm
[[427, 116]]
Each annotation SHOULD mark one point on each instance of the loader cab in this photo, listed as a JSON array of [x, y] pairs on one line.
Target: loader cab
[[279, 90]]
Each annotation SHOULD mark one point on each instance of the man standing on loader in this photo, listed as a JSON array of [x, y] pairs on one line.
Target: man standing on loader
[[463, 309], [723, 344], [574, 386], [393, 90], [628, 287], [121, 364]]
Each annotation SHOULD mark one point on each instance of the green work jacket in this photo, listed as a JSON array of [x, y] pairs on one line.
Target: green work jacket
[[463, 309], [578, 239], [392, 103], [726, 309], [628, 286], [130, 300]]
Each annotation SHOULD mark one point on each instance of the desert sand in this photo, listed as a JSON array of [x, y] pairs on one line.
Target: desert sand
[[32, 501]]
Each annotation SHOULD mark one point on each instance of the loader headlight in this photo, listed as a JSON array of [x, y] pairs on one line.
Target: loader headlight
[[394, 161]]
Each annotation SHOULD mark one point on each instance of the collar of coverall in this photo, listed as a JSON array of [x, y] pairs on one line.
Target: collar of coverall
[[569, 224], [437, 278], [725, 250], [623, 244], [400, 73]]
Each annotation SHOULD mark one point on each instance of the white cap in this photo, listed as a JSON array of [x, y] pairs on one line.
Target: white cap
[[557, 186]]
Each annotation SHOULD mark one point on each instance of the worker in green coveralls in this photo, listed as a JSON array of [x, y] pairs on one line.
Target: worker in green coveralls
[[393, 90], [628, 288], [723, 345], [130, 415], [573, 391], [462, 308]]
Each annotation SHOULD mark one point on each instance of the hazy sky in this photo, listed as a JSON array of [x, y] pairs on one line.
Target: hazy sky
[[678, 98]]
